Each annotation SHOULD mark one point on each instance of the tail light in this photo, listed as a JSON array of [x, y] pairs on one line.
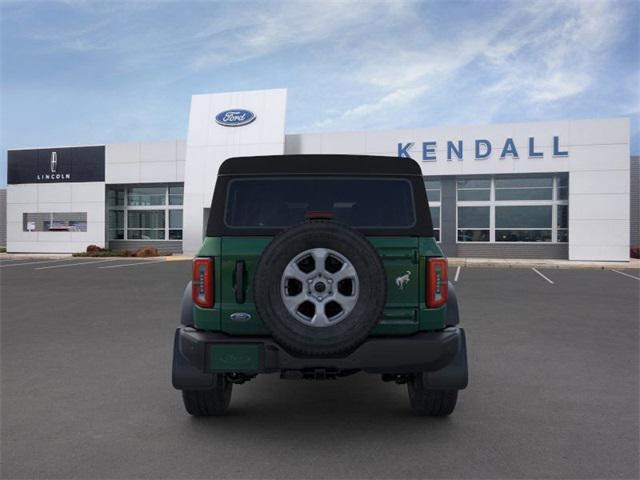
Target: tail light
[[202, 282], [437, 282]]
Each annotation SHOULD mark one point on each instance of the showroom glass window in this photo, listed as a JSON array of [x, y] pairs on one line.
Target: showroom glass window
[[509, 208], [434, 192], [147, 212], [474, 211], [54, 222]]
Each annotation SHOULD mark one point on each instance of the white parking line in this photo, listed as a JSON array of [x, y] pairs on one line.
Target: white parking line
[[625, 274], [546, 278], [141, 262], [34, 263], [455, 279], [75, 264]]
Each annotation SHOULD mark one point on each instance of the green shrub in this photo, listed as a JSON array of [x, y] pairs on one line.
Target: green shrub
[[95, 251], [146, 252], [100, 253]]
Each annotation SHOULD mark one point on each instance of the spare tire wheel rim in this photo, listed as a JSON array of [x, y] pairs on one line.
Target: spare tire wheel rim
[[319, 287]]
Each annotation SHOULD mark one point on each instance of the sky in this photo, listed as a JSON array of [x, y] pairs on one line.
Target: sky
[[80, 72]]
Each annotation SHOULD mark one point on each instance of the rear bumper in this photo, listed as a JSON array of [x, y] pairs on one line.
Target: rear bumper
[[442, 354]]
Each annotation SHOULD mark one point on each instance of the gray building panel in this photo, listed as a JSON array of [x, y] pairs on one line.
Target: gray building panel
[[3, 218], [448, 216], [635, 201], [558, 251]]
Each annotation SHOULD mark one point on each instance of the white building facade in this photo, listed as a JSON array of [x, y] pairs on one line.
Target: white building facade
[[539, 190]]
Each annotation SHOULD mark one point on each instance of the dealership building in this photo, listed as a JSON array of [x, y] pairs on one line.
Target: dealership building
[[561, 189]]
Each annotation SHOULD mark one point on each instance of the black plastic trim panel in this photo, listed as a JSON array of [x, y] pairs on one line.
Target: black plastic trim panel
[[442, 352]]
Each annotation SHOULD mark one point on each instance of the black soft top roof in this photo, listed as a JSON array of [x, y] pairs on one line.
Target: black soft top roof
[[320, 164], [327, 165]]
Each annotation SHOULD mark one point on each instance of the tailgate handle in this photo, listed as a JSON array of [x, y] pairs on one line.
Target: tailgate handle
[[401, 256], [239, 280]]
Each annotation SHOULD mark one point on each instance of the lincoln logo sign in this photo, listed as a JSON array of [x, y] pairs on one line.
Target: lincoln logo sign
[[482, 150], [56, 165], [54, 175], [235, 118]]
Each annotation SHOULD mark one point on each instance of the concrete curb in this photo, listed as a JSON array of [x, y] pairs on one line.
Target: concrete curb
[[178, 258], [633, 263], [34, 256], [64, 256], [547, 264]]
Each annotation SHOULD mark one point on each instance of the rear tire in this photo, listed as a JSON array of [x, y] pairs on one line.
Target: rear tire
[[430, 403], [207, 403]]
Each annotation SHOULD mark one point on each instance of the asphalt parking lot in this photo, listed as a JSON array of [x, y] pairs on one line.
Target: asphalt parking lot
[[86, 389]]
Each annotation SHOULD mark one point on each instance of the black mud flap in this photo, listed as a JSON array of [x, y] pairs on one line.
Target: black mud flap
[[454, 376], [185, 376]]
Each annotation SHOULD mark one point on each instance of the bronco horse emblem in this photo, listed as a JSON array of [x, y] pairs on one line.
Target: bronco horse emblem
[[402, 280]]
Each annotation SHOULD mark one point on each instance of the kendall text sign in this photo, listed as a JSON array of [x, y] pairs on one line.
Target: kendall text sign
[[482, 149]]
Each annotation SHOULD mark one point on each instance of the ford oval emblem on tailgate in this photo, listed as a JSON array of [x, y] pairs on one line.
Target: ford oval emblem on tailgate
[[235, 118], [240, 317]]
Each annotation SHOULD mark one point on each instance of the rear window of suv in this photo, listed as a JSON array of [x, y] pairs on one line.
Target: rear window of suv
[[361, 202]]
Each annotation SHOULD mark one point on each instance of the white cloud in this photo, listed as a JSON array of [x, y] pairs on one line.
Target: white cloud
[[540, 52], [557, 86], [286, 26], [353, 60], [389, 102], [557, 61]]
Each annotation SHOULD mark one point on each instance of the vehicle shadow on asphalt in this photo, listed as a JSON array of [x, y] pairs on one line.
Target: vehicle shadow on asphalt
[[359, 398]]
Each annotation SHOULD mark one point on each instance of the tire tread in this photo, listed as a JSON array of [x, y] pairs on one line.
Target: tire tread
[[206, 403], [430, 403]]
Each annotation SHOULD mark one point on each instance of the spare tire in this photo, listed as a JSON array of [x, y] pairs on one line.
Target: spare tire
[[320, 288]]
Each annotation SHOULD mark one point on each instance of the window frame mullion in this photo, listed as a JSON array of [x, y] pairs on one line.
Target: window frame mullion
[[492, 211]]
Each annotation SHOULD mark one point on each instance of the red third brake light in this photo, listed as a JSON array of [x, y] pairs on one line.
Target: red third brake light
[[202, 282], [437, 282]]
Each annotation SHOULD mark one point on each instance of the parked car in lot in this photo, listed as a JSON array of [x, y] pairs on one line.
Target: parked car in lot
[[316, 267]]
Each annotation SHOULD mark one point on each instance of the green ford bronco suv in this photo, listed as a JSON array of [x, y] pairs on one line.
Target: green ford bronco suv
[[319, 266]]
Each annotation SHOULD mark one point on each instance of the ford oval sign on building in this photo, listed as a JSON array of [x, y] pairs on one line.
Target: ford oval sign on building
[[235, 118]]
